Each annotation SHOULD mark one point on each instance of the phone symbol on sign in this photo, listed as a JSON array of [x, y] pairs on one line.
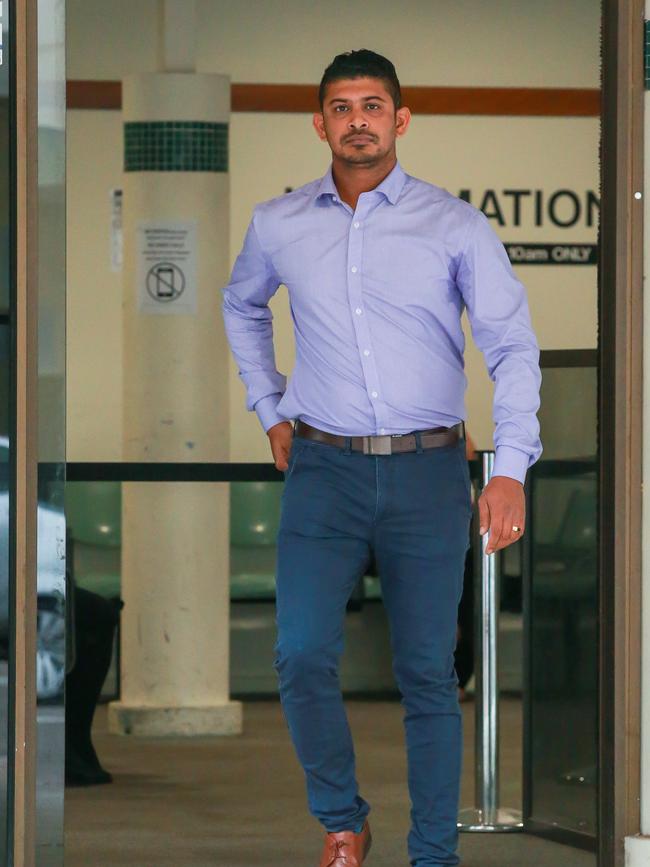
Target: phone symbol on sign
[[165, 282]]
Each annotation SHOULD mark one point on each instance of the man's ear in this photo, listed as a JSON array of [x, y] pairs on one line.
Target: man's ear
[[319, 125], [402, 120]]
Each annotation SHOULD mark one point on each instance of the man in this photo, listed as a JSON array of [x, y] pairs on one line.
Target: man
[[379, 266]]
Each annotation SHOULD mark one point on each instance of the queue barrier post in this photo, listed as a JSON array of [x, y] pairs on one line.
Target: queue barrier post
[[487, 814]]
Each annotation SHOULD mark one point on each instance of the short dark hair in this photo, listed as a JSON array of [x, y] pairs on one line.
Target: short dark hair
[[362, 64]]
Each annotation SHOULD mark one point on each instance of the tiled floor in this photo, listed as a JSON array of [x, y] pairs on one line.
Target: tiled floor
[[240, 801]]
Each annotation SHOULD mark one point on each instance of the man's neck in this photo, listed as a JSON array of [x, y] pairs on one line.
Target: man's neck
[[352, 180]]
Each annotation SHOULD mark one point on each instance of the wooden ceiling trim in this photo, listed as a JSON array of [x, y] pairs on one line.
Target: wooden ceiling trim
[[302, 98]]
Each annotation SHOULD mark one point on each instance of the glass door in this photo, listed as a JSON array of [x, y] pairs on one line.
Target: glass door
[[561, 607]]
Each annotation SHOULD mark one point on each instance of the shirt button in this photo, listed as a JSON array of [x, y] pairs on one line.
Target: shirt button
[[358, 311], [357, 224], [354, 269], [374, 394], [366, 352], [382, 430]]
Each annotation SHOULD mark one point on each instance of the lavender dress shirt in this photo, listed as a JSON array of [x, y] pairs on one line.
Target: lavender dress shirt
[[376, 298]]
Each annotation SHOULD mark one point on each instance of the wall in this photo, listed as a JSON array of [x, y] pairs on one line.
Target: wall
[[431, 43]]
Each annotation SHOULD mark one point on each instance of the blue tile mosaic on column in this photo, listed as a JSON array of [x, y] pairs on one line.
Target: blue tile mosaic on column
[[646, 54], [175, 146]]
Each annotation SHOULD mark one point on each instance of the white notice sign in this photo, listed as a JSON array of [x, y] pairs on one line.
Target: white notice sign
[[167, 267]]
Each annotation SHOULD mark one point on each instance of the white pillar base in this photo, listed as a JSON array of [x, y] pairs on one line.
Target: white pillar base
[[222, 719], [637, 852]]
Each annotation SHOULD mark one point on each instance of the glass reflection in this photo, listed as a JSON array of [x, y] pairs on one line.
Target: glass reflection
[[52, 662], [564, 606], [94, 531]]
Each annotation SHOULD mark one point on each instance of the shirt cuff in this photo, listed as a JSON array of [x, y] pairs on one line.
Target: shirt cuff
[[266, 410], [512, 462]]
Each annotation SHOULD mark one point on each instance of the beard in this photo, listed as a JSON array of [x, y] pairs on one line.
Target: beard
[[362, 155], [361, 158]]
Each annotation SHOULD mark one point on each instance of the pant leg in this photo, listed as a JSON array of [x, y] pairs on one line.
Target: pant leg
[[323, 549], [421, 538], [96, 619]]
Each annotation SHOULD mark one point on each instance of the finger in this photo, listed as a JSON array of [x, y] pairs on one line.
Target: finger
[[504, 543], [513, 535], [496, 530], [519, 522], [483, 514], [505, 538], [509, 535]]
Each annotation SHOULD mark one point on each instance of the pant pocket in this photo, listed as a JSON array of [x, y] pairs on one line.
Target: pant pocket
[[296, 449]]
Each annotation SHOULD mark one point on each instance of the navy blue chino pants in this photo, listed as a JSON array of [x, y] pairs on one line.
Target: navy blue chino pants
[[413, 511]]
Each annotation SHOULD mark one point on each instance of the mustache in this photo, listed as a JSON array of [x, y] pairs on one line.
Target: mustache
[[357, 134]]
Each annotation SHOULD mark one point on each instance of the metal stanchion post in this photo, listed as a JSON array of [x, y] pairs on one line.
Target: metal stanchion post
[[487, 815]]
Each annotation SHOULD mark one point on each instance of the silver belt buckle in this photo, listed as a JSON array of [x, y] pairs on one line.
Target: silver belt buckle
[[377, 445]]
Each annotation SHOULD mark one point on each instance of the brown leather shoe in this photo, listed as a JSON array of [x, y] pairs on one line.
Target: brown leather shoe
[[345, 848]]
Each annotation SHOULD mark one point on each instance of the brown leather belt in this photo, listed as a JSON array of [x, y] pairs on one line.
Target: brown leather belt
[[385, 444]]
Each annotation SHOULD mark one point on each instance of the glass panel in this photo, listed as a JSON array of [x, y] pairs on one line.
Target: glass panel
[[254, 520], [51, 638], [94, 518], [94, 525], [563, 615]]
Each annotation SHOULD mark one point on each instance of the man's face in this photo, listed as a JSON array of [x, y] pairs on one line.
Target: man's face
[[359, 120]]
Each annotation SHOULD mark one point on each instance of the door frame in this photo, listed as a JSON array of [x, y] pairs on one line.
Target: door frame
[[620, 345], [620, 351], [23, 234]]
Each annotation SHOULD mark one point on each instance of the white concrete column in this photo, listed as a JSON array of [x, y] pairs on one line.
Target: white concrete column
[[175, 552], [637, 849]]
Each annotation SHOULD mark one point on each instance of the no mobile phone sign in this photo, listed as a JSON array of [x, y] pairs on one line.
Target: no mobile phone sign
[[166, 252]]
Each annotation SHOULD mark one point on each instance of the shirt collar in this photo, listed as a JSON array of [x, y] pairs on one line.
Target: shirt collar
[[390, 187]]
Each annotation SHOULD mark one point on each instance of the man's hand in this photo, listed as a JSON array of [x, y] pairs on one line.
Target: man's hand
[[502, 505], [280, 436]]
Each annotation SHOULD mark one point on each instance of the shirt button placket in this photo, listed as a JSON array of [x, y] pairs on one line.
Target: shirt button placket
[[355, 294]]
